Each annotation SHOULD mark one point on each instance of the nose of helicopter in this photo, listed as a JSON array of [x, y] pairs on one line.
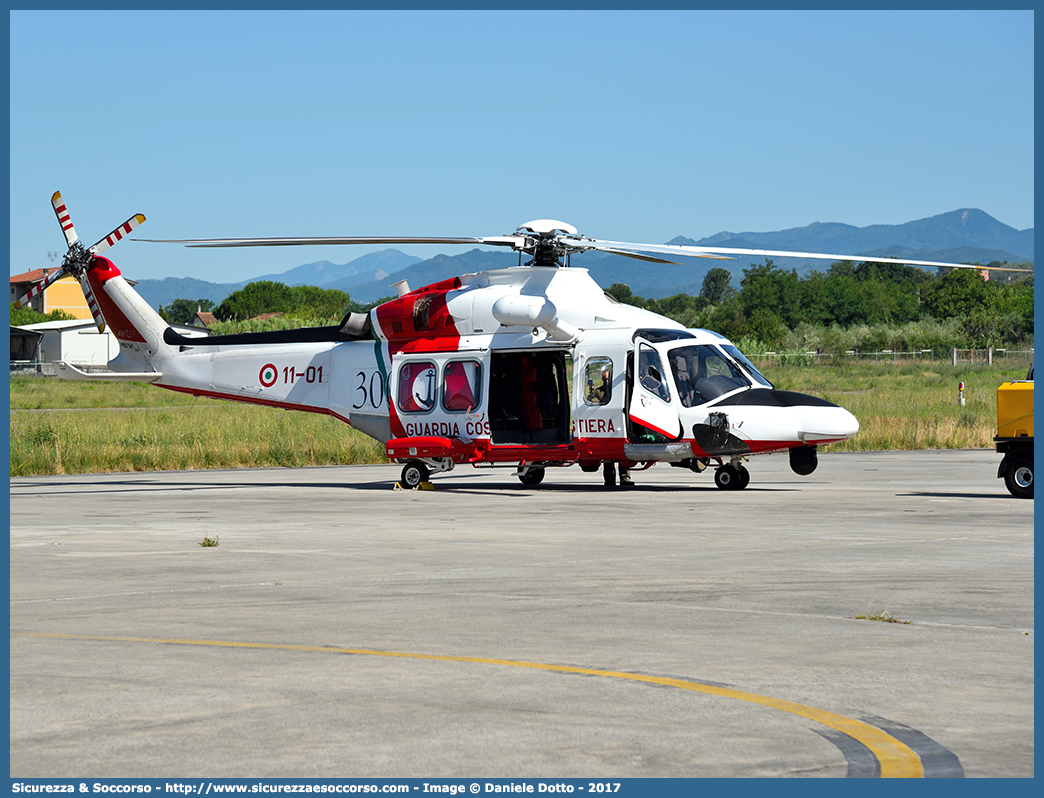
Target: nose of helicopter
[[824, 424]]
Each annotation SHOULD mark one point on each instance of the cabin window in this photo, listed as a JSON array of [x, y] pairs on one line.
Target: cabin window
[[417, 387], [598, 381], [461, 385]]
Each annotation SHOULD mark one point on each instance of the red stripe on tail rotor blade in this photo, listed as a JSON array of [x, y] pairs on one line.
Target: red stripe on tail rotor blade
[[92, 303], [28, 297], [117, 234], [40, 286], [63, 218]]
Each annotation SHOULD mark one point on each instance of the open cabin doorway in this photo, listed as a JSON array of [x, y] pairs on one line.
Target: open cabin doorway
[[529, 397]]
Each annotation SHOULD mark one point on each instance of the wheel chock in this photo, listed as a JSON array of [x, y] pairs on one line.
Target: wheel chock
[[421, 486]]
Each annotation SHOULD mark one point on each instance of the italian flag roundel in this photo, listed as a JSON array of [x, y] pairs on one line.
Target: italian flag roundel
[[268, 375]]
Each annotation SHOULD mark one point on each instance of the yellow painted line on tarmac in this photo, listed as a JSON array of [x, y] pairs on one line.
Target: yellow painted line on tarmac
[[897, 760]]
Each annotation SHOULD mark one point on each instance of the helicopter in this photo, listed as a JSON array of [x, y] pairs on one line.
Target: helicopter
[[528, 367]]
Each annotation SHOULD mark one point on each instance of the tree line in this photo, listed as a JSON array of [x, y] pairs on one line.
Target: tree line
[[854, 306], [851, 306], [304, 302]]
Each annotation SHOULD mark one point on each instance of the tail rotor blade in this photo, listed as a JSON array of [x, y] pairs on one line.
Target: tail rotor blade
[[117, 234], [37, 289], [92, 303], [63, 219]]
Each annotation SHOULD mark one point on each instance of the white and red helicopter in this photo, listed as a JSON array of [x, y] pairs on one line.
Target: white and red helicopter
[[529, 367]]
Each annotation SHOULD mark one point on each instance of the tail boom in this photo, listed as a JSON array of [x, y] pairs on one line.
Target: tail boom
[[137, 327]]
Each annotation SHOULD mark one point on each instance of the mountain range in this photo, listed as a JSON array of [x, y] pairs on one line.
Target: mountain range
[[965, 235]]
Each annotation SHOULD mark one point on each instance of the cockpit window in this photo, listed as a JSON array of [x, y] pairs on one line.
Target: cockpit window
[[737, 355], [703, 373], [650, 372]]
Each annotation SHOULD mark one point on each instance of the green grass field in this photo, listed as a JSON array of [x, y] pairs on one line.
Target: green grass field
[[907, 405], [66, 427]]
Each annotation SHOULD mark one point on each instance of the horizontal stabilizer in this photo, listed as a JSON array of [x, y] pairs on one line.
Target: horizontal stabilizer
[[67, 371]]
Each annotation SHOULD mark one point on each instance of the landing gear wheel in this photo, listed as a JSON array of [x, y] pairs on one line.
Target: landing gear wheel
[[1019, 477], [414, 473], [533, 476], [744, 477], [728, 477]]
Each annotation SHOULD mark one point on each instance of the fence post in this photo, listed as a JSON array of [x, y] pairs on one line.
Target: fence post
[[953, 357]]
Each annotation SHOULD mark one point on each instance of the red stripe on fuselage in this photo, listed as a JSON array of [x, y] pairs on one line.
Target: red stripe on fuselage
[[671, 436], [418, 322], [253, 400]]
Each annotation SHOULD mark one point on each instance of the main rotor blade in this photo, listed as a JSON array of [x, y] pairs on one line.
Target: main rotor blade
[[33, 292], [702, 252], [310, 241], [635, 255], [117, 234], [650, 258]]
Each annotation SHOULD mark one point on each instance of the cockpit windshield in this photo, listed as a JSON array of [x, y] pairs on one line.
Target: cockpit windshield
[[703, 373], [742, 359]]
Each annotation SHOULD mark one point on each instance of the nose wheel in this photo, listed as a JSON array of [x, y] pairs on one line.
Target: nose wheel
[[732, 477]]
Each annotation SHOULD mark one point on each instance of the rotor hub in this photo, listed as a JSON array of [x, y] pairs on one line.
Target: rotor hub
[[77, 259]]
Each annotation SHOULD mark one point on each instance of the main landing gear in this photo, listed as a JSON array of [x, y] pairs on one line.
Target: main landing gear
[[531, 475], [732, 477], [414, 473], [417, 471]]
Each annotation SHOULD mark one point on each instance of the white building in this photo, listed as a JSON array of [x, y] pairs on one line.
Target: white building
[[78, 342]]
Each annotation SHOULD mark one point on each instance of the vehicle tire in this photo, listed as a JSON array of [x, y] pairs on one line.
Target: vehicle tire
[[414, 473], [727, 477], [744, 477], [533, 476], [1019, 476]]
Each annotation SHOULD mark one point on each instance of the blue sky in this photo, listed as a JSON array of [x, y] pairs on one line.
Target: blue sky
[[632, 126]]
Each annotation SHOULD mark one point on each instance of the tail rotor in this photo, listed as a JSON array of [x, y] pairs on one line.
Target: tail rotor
[[78, 260]]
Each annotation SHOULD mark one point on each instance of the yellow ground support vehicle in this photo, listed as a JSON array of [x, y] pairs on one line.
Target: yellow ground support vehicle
[[1015, 435]]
